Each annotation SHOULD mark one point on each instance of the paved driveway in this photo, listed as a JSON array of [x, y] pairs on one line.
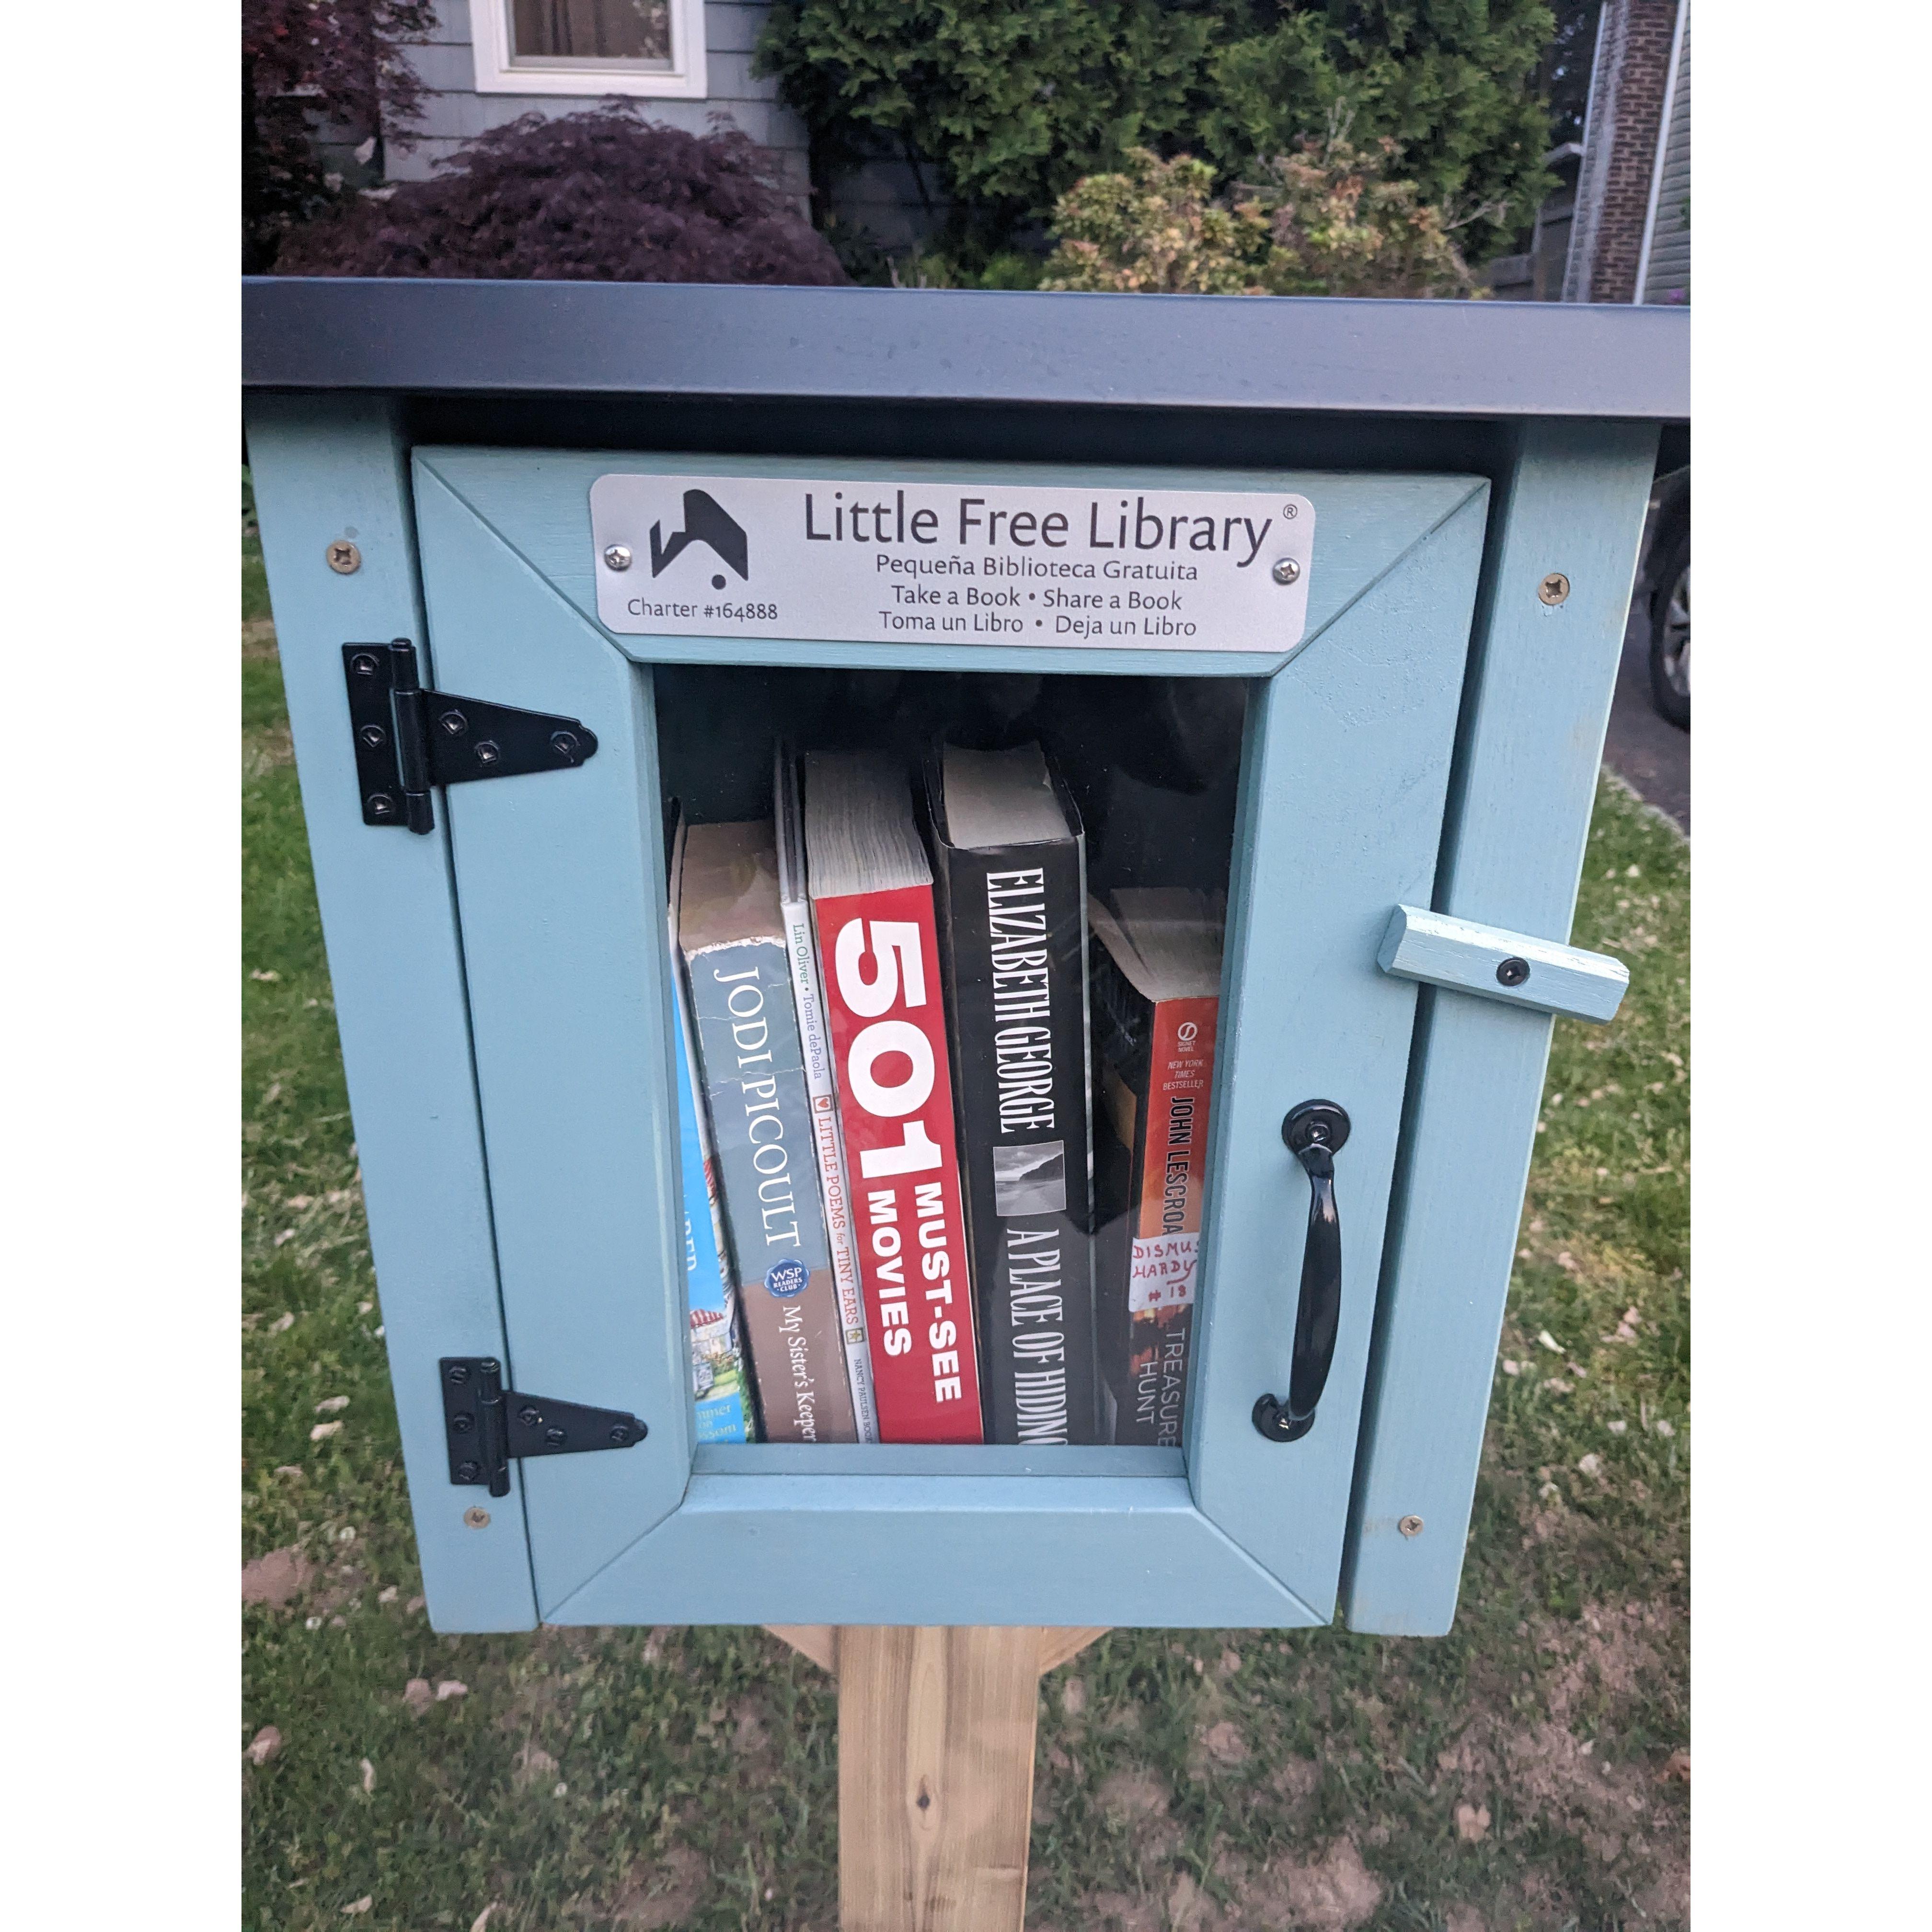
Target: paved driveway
[[1651, 756]]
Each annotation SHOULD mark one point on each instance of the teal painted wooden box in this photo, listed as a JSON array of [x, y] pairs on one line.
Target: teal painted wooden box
[[1409, 802]]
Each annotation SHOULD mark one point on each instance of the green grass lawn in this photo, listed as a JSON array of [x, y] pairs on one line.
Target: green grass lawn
[[1529, 1770]]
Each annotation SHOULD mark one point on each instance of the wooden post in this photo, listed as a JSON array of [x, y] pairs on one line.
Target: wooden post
[[935, 1769]]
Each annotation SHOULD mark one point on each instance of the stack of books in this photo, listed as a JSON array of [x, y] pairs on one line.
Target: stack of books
[[901, 1224]]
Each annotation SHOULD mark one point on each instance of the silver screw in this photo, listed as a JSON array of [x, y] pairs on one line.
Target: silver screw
[[1410, 1525], [1287, 571], [618, 557], [344, 559], [477, 1519], [1554, 588]]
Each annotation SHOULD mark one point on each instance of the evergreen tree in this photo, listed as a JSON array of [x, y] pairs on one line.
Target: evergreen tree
[[1000, 106], [997, 107], [1448, 81]]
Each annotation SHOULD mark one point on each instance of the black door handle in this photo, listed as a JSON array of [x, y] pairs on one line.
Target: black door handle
[[1315, 1132]]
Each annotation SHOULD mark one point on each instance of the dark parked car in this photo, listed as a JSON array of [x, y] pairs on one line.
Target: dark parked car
[[1666, 580]]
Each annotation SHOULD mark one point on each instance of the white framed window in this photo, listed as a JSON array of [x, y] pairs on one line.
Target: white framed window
[[651, 48]]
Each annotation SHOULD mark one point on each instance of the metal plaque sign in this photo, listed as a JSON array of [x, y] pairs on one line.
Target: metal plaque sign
[[1121, 568]]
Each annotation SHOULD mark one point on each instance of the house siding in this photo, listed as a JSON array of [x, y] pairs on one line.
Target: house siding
[[453, 112], [1667, 276]]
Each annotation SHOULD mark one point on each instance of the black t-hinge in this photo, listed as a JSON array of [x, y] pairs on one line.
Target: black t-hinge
[[486, 1424], [408, 738]]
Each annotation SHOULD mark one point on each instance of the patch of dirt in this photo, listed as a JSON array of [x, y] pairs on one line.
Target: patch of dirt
[[1296, 1781], [1551, 1775], [1608, 1650], [1544, 1526], [1128, 1795], [749, 1738], [1464, 1919], [1186, 1907], [1115, 1911], [1224, 1743], [1137, 1802], [1668, 1899], [661, 1892], [277, 1579], [1596, 1668], [344, 1584], [1334, 1894], [534, 1766]]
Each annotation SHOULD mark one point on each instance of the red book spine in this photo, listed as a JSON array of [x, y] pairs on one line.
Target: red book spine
[[1166, 1251], [880, 951]]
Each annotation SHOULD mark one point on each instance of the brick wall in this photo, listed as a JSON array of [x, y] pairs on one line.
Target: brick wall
[[1626, 115]]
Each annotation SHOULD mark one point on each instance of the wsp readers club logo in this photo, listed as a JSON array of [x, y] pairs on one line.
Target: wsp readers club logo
[[787, 1278], [706, 521]]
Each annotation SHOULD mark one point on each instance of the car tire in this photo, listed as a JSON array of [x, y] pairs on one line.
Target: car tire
[[1670, 635]]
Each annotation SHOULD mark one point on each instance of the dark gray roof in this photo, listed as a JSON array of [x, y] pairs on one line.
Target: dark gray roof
[[1488, 360]]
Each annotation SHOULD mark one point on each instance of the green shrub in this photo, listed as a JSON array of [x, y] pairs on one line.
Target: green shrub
[[999, 106], [1339, 226], [1154, 229], [1453, 83], [1324, 221], [934, 269]]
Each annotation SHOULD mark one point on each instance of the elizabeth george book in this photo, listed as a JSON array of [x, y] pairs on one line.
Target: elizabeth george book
[[725, 894], [872, 910], [1012, 902]]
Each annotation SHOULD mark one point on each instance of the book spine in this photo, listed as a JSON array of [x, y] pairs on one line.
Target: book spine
[[1164, 1255], [1123, 1024], [754, 1076], [808, 997], [1113, 1236], [885, 1015], [1015, 953], [718, 1375]]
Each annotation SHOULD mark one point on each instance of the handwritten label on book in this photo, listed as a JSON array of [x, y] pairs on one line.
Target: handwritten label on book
[[1134, 567], [1161, 1273]]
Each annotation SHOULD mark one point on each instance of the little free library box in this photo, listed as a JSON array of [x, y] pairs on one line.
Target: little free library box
[[945, 911]]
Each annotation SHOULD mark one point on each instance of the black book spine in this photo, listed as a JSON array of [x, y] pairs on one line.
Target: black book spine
[[1123, 1035], [1014, 939]]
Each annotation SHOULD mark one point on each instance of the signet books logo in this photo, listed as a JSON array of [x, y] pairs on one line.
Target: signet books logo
[[706, 521]]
